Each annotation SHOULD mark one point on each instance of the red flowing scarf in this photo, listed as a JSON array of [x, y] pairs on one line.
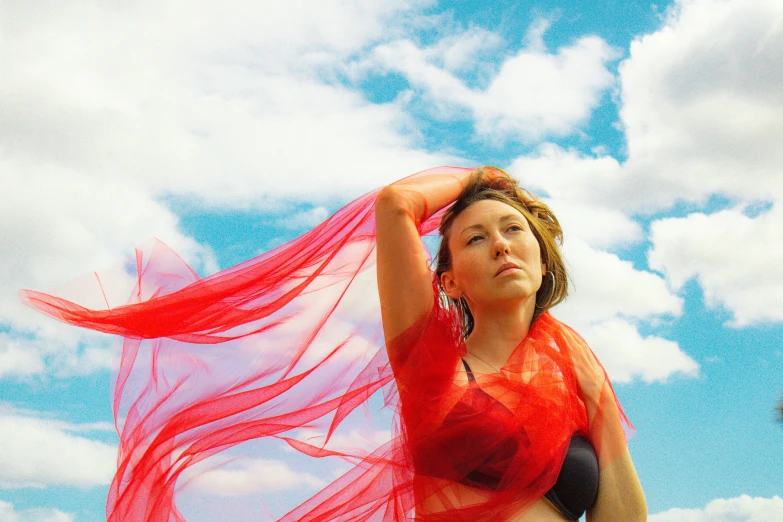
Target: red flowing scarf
[[286, 350]]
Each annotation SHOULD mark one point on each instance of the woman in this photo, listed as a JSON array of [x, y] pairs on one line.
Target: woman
[[497, 247], [488, 406]]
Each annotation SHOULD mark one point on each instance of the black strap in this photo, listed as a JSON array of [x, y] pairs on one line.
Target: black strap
[[468, 371]]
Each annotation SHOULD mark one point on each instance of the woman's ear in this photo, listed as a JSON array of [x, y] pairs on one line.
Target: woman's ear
[[449, 286]]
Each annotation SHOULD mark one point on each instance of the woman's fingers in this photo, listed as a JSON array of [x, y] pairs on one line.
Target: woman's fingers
[[590, 374]]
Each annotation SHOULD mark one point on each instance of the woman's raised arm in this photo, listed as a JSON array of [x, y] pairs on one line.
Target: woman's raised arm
[[404, 277]]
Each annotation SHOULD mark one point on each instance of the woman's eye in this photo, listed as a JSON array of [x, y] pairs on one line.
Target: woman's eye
[[473, 239], [515, 227]]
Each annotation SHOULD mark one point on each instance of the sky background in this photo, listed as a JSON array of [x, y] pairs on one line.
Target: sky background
[[228, 128]]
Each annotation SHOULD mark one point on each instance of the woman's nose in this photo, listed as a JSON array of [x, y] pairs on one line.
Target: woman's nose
[[500, 246]]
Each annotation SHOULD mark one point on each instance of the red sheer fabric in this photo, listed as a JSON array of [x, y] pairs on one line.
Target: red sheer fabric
[[287, 349]]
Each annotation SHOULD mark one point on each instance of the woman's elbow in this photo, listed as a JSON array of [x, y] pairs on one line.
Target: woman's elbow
[[392, 203], [389, 197]]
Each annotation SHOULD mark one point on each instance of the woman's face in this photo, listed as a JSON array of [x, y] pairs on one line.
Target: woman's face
[[495, 256]]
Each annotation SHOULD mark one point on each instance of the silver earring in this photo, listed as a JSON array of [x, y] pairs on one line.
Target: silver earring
[[551, 292]]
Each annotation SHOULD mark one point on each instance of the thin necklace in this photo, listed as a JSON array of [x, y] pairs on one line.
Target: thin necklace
[[482, 360]]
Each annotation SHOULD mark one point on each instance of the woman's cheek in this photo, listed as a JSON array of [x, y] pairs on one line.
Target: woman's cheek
[[471, 282]]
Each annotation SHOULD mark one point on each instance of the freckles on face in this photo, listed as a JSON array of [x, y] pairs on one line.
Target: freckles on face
[[486, 236]]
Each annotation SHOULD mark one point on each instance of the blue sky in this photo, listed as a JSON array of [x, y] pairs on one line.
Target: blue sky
[[653, 131]]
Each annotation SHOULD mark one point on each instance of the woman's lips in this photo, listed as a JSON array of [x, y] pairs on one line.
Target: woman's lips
[[505, 268]]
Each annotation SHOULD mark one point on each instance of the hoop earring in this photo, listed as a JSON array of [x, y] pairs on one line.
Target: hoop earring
[[551, 292]]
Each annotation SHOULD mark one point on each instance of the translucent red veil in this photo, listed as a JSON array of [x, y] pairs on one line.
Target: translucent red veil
[[285, 352]]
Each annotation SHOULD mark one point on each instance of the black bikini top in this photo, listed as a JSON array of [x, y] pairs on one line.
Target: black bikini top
[[577, 484]]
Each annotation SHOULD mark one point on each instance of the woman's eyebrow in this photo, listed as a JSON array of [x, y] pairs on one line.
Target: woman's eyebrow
[[471, 227], [507, 217]]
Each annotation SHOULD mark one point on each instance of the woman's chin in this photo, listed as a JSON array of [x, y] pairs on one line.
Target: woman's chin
[[510, 298]]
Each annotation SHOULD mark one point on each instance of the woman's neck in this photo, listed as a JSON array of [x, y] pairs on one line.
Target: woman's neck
[[498, 331]]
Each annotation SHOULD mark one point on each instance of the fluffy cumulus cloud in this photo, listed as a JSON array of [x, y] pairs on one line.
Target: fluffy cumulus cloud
[[202, 100], [740, 509], [601, 307], [27, 356], [700, 108], [701, 112], [569, 177], [39, 452], [735, 258], [533, 93], [252, 476], [361, 439], [701, 102], [626, 354], [8, 513], [110, 110], [600, 287]]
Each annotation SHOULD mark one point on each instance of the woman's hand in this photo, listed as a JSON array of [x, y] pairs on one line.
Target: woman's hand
[[590, 375], [505, 182]]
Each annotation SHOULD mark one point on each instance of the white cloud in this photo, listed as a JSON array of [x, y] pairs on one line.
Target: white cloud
[[9, 514], [701, 110], [739, 509], [57, 223], [463, 51], [568, 176], [110, 109], [305, 220], [607, 301], [735, 258], [57, 220], [250, 476], [39, 452], [599, 227], [202, 100], [605, 285], [700, 107], [701, 103], [351, 441], [18, 360], [27, 356], [626, 354], [532, 94]]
